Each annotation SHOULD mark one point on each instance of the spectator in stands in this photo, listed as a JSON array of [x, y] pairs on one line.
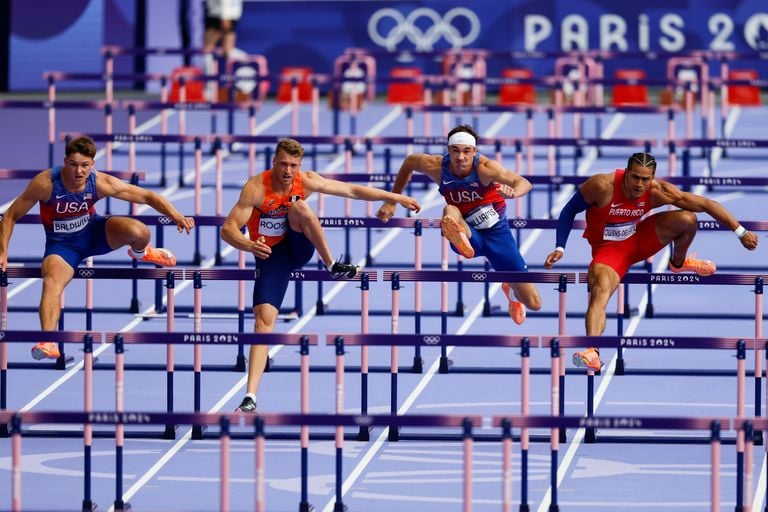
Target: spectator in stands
[[221, 17]]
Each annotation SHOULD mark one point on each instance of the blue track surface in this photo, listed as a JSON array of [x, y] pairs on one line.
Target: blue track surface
[[379, 475]]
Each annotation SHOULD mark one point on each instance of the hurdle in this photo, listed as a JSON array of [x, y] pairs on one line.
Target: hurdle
[[740, 345], [87, 273], [651, 279], [709, 146], [462, 276], [257, 426]]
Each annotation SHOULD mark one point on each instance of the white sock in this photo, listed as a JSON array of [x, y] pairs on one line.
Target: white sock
[[252, 396], [139, 254]]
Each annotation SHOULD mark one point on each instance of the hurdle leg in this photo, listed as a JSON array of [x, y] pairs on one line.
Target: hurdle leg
[[418, 361], [758, 434]]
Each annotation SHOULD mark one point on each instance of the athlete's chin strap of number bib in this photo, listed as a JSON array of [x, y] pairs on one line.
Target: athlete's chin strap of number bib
[[565, 223]]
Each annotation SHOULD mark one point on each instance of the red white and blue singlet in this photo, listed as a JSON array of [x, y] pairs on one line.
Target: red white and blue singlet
[[67, 216], [484, 209], [481, 206]]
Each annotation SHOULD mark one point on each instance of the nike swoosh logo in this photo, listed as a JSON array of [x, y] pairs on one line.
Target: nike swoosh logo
[[60, 196], [448, 182], [615, 205]]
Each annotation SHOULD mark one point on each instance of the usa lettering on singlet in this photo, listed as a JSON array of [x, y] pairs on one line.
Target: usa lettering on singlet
[[67, 214], [481, 206]]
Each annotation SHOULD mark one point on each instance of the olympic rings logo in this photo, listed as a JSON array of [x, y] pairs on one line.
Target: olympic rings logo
[[85, 272], [406, 27], [431, 340], [479, 276], [165, 220], [519, 223]]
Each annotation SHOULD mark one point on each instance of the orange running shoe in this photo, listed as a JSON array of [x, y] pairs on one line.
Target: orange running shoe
[[691, 264], [46, 350], [590, 359], [516, 309], [456, 235], [162, 257]]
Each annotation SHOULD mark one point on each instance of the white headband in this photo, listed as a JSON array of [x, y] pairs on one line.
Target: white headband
[[462, 138]]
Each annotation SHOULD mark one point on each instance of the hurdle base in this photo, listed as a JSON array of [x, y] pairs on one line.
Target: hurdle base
[[364, 434], [649, 311], [306, 507], [524, 508], [418, 365], [134, 307], [63, 362], [620, 370], [197, 432], [757, 438], [240, 363], [445, 364], [339, 507], [170, 431], [121, 505], [393, 434], [589, 435], [89, 505], [4, 431]]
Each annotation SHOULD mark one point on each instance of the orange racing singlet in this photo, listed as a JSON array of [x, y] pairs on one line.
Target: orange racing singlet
[[270, 218]]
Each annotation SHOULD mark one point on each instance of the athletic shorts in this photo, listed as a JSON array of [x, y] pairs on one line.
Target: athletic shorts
[[90, 243], [215, 23], [622, 255], [499, 246], [273, 273]]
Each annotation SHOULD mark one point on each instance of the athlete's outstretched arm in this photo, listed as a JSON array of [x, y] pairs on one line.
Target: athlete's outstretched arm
[[38, 189], [421, 162]]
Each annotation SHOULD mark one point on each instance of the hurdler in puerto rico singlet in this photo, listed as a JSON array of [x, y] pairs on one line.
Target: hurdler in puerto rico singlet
[[617, 221], [270, 219], [67, 216], [480, 205]]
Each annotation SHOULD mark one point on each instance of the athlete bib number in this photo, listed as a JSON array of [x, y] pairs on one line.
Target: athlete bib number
[[272, 227], [70, 225], [483, 217], [619, 232]]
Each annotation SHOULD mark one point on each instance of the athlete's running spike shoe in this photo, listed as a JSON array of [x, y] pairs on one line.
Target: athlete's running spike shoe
[[340, 269], [46, 350], [589, 358], [456, 235], [516, 309], [697, 266], [247, 406], [156, 255]]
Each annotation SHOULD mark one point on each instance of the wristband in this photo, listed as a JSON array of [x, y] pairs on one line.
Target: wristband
[[740, 231], [561, 250]]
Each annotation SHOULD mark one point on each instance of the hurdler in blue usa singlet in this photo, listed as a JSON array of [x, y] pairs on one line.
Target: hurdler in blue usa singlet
[[73, 229], [484, 210]]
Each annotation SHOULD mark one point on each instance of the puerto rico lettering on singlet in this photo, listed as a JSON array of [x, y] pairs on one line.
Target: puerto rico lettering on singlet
[[617, 221], [67, 214], [480, 205]]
